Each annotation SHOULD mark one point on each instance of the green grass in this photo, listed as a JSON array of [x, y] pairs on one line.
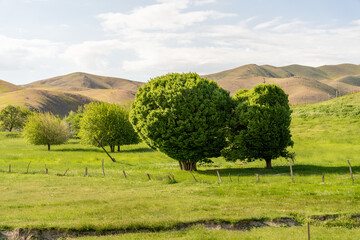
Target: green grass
[[201, 233], [322, 146], [344, 107]]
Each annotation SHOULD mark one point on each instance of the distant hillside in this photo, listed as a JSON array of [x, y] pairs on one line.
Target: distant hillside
[[346, 106], [83, 81], [107, 89], [59, 103], [341, 70], [303, 84], [8, 87]]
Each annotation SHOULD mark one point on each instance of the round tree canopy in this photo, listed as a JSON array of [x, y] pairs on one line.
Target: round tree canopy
[[182, 115]]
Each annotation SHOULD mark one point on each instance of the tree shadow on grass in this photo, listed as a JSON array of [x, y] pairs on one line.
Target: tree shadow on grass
[[137, 150], [77, 150], [298, 169]]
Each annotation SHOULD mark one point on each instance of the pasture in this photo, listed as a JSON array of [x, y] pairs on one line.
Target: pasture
[[161, 208]]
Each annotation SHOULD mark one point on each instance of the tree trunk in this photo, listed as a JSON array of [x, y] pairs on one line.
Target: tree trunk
[[112, 148], [48, 147], [268, 163], [188, 165], [118, 148]]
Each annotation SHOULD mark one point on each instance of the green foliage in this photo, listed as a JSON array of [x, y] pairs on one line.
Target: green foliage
[[182, 115], [109, 123], [13, 117], [46, 129], [260, 125], [73, 120]]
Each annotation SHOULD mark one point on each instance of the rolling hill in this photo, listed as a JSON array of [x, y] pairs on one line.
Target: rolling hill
[[59, 103], [80, 81], [8, 87], [303, 84]]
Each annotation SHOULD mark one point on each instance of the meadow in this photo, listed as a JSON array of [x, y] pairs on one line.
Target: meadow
[[161, 208]]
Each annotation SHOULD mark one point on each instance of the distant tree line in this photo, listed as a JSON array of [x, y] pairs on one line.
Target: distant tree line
[[109, 123]]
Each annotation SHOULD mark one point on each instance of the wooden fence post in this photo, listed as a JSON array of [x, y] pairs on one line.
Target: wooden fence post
[[323, 178], [9, 168], [351, 173], [218, 174], [148, 176], [102, 161], [66, 171], [238, 178], [308, 230], [194, 177], [27, 170], [291, 171], [230, 177], [124, 174], [86, 172]]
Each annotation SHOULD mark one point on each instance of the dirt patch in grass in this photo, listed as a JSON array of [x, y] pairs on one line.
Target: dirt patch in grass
[[51, 234]]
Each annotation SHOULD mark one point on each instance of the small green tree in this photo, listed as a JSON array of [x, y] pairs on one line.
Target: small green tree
[[73, 120], [182, 115], [108, 123], [260, 127], [13, 117], [46, 129]]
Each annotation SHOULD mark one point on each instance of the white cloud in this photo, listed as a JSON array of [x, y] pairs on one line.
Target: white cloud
[[22, 53], [268, 23], [167, 15]]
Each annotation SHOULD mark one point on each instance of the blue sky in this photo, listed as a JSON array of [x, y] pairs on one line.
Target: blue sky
[[142, 39]]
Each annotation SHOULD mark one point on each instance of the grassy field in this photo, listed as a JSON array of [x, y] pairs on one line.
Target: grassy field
[[323, 144]]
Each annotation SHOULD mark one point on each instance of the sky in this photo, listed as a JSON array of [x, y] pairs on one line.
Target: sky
[[142, 39]]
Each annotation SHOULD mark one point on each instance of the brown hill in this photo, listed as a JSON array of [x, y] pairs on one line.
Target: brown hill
[[59, 103], [8, 87], [303, 84], [83, 81]]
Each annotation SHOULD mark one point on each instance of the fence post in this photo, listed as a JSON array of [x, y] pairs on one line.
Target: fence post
[[148, 176], [194, 177], [27, 170], [351, 173], [291, 171], [258, 177], [66, 171], [124, 174], [102, 163], [86, 172], [9, 168], [218, 174], [308, 230]]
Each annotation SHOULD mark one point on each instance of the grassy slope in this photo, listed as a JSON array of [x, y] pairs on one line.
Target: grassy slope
[[303, 84], [8, 87], [341, 70], [346, 106], [56, 102], [83, 81]]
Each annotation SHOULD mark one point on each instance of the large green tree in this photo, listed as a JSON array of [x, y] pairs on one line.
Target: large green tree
[[13, 117], [260, 126], [46, 129], [182, 115], [108, 123]]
